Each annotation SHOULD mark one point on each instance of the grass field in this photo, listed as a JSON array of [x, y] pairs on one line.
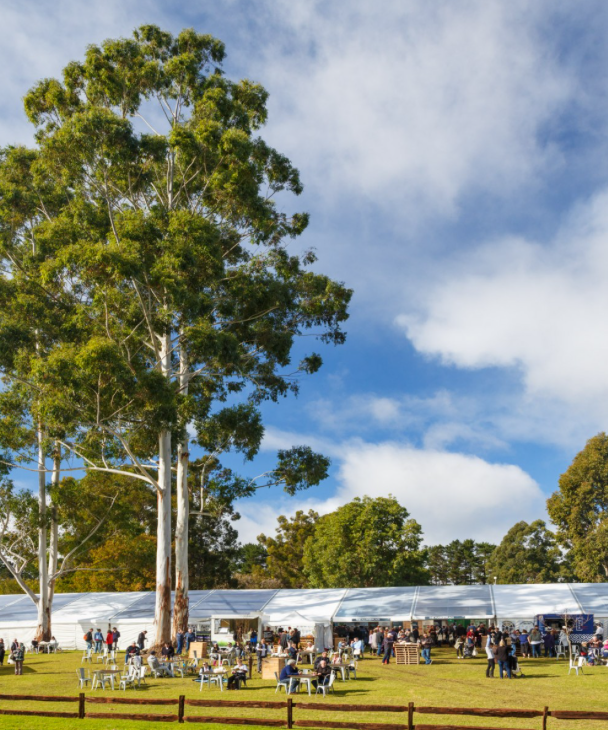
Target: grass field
[[448, 682]]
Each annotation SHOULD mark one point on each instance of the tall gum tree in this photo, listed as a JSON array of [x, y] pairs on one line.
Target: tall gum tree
[[172, 243]]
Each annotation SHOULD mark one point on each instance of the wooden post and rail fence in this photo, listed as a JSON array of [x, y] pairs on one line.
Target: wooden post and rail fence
[[288, 706]]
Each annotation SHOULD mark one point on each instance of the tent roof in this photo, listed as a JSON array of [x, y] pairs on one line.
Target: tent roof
[[230, 603], [313, 605], [530, 600], [324, 605], [454, 602], [593, 597], [376, 604]]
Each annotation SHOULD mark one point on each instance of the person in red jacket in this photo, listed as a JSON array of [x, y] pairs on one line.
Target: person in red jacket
[[109, 639]]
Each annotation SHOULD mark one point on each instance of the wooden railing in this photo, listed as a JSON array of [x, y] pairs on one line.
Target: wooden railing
[[288, 706]]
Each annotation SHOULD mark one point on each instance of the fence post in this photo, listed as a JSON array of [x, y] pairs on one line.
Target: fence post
[[289, 712], [410, 716], [81, 701], [545, 715], [180, 710], [251, 666]]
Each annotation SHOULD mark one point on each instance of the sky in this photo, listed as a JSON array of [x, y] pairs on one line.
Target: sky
[[454, 156]]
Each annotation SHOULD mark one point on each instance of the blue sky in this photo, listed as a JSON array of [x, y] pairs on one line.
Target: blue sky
[[454, 157]]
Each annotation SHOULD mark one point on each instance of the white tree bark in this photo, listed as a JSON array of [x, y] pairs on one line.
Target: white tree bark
[[180, 608], [162, 617], [53, 537], [44, 616]]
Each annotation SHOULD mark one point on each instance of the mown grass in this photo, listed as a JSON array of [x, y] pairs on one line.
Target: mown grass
[[448, 682]]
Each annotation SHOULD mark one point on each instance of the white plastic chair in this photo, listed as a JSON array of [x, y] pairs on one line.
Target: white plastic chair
[[102, 679], [577, 665], [87, 656], [103, 657], [212, 679], [83, 679], [285, 683], [324, 688], [128, 680]]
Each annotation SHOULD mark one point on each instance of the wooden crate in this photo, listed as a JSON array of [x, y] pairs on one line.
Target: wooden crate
[[200, 647], [407, 653], [272, 664]]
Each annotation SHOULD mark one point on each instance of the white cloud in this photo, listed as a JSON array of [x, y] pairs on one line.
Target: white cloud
[[414, 103], [452, 495], [540, 309]]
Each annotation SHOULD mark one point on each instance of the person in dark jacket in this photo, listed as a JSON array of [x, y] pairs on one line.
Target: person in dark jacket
[[387, 646], [288, 672], [168, 651], [502, 657], [88, 637], [549, 642], [2, 652], [141, 640]]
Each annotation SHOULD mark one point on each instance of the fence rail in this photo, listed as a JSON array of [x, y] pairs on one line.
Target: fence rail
[[289, 705]]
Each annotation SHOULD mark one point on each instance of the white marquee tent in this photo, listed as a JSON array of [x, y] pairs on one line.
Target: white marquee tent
[[316, 610]]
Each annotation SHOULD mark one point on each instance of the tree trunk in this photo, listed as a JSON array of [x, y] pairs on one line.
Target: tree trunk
[[180, 608], [53, 538], [44, 616], [162, 617]]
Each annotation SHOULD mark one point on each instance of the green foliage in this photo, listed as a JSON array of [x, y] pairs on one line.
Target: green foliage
[[285, 551], [579, 510], [528, 553], [250, 557], [367, 542], [459, 563]]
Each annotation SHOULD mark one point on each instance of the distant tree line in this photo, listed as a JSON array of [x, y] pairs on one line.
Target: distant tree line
[[367, 542]]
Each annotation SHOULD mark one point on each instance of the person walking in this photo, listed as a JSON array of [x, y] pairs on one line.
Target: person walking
[[502, 657], [18, 656], [491, 658], [2, 652]]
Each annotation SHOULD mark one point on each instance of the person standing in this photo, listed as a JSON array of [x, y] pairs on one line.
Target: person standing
[[296, 638], [179, 638], [262, 651], [98, 641], [18, 655], [502, 657], [524, 644], [425, 645], [115, 637], [491, 657], [2, 652], [141, 640], [110, 640], [536, 639], [387, 646], [373, 642], [88, 637]]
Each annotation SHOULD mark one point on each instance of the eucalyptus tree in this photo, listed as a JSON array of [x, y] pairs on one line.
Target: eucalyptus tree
[[34, 315], [171, 240]]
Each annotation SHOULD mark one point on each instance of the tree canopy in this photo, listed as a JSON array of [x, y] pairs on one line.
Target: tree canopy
[[579, 510], [367, 542]]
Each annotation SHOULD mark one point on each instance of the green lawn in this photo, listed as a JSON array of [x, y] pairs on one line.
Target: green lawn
[[448, 682]]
